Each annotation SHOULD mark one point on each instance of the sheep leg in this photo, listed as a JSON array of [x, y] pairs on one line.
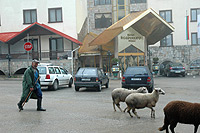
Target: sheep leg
[[152, 112], [195, 128], [172, 126], [125, 109], [118, 105], [129, 111], [114, 106], [165, 126], [135, 113]]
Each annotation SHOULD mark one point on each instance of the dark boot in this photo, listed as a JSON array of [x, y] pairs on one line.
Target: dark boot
[[20, 105], [39, 103]]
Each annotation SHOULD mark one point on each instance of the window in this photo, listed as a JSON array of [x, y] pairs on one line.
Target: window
[[167, 41], [51, 70], [102, 2], [57, 70], [138, 1], [103, 20], [194, 14], [121, 9], [167, 15], [30, 16], [55, 15], [56, 46], [194, 38]]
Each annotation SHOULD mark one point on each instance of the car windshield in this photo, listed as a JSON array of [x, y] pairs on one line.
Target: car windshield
[[136, 71], [87, 71], [176, 64], [42, 70]]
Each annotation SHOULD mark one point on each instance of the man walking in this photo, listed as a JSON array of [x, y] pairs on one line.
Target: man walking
[[31, 82]]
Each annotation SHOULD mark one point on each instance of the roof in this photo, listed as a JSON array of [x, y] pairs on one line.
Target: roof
[[85, 48], [148, 23], [4, 37], [34, 30]]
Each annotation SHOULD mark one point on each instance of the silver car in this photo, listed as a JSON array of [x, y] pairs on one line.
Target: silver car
[[54, 76]]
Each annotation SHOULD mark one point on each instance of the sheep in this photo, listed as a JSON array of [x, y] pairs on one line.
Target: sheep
[[120, 94], [182, 112], [139, 101]]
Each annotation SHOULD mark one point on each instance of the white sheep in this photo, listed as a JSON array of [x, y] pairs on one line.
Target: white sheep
[[120, 94], [139, 101]]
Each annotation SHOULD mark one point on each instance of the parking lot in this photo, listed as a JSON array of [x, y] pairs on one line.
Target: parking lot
[[89, 111]]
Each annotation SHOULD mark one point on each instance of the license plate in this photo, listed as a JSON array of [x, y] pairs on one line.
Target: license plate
[[85, 79], [135, 78], [177, 71]]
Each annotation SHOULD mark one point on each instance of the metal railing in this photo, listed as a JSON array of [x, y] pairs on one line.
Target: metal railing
[[47, 55]]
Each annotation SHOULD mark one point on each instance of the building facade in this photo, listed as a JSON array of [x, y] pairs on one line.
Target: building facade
[[101, 15], [183, 43], [51, 26]]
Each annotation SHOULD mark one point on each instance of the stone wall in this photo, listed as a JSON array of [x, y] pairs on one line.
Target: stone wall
[[84, 31], [20, 64], [184, 54]]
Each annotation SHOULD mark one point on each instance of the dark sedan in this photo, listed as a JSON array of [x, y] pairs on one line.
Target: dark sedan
[[174, 68], [90, 78], [138, 76]]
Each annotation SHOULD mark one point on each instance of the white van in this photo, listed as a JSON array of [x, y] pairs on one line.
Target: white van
[[54, 76]]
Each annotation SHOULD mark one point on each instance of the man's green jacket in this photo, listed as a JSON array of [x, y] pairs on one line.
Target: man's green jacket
[[28, 82]]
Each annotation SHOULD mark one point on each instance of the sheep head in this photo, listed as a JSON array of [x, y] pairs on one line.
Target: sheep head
[[143, 90], [159, 91]]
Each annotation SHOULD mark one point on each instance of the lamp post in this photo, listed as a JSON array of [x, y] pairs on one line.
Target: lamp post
[[109, 54]]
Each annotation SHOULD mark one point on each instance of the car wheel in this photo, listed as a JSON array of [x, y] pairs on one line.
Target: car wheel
[[183, 75], [55, 85], [70, 83], [76, 88], [99, 87], [107, 84]]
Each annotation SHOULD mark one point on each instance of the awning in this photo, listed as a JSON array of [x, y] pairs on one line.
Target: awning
[[34, 29], [148, 23], [85, 48]]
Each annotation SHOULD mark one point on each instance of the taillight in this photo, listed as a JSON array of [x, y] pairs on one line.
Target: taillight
[[149, 79], [170, 68], [74, 79], [47, 76], [97, 79], [123, 79], [183, 67]]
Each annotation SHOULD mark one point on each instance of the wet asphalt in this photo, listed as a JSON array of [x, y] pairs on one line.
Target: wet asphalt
[[89, 111]]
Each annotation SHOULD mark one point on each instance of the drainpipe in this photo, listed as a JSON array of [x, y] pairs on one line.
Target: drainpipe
[[72, 61]]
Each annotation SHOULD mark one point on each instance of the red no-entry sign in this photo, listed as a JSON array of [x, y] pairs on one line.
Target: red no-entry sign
[[28, 46]]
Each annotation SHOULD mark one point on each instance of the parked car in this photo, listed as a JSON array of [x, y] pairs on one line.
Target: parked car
[[174, 68], [138, 76], [54, 76], [90, 78]]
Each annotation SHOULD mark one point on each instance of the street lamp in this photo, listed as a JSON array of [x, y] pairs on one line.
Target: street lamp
[[109, 54], [8, 56]]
